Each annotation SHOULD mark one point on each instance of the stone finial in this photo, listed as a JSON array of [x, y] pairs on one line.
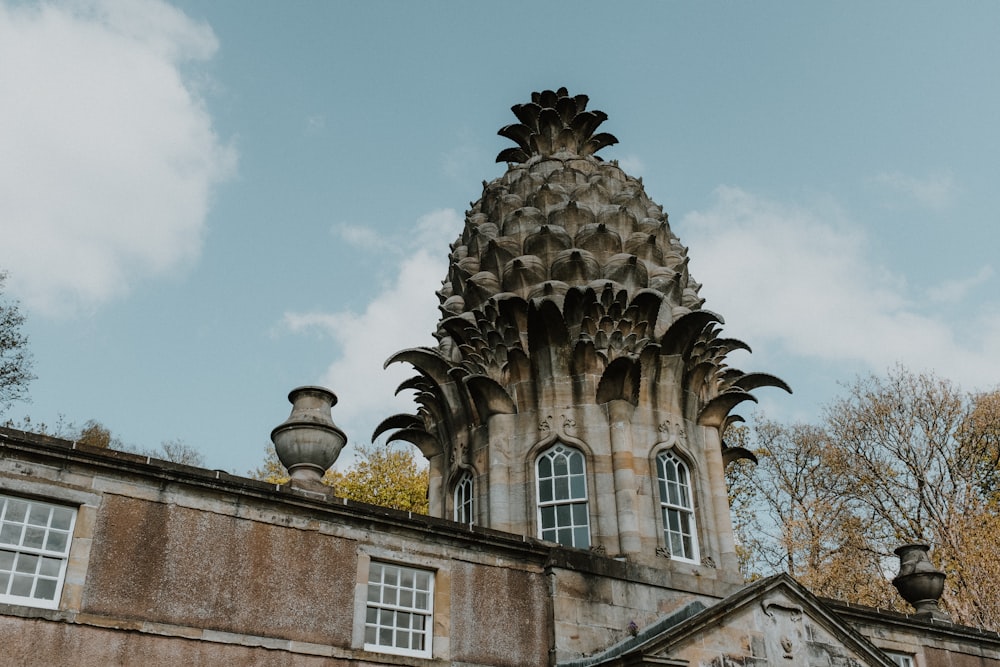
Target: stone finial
[[554, 122], [918, 582], [308, 442]]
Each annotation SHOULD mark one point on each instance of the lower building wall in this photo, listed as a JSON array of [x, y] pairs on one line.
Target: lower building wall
[[44, 643]]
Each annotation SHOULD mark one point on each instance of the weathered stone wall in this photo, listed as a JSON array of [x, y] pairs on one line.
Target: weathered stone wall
[[946, 645], [42, 643], [190, 567], [173, 566]]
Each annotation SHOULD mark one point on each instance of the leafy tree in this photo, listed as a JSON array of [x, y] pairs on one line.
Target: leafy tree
[[15, 359], [900, 458], [385, 476], [96, 434]]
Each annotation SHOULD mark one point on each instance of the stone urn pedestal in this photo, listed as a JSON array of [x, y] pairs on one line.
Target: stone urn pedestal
[[918, 582], [308, 442]]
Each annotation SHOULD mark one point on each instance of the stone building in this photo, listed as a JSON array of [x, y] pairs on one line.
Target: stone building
[[571, 414]]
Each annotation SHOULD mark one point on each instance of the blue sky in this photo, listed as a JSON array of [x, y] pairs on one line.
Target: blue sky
[[203, 205]]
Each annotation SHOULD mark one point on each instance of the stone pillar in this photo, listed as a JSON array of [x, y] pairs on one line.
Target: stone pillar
[[720, 524], [622, 452]]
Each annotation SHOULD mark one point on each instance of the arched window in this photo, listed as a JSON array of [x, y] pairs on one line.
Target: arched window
[[563, 516], [465, 503], [676, 507]]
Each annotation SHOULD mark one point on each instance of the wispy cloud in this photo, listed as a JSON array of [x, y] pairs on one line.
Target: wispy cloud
[[109, 156], [803, 278], [360, 236], [403, 314], [934, 192], [952, 291]]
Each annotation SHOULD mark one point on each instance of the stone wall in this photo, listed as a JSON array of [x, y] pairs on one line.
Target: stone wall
[[176, 561]]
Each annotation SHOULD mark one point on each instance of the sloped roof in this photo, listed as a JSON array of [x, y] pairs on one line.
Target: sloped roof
[[786, 613]]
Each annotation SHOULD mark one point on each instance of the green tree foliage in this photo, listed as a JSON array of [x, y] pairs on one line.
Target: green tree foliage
[[15, 359], [385, 476], [900, 458]]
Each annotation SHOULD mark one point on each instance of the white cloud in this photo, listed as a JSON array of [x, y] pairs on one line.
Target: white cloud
[[403, 315], [109, 157], [952, 291], [802, 277], [934, 192], [361, 236]]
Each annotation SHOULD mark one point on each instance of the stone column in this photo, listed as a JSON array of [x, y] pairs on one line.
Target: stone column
[[622, 452]]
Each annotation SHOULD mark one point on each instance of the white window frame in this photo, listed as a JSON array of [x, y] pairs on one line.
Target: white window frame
[[35, 540], [901, 659], [680, 532], [399, 613], [561, 493], [465, 499]]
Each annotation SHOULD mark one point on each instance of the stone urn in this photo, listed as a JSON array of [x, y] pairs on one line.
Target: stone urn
[[308, 442], [918, 582]]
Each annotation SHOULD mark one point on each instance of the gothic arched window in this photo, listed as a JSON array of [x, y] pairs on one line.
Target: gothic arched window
[[563, 515], [676, 506], [465, 503]]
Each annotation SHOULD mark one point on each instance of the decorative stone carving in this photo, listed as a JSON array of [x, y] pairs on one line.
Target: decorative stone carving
[[918, 582], [567, 293], [308, 442]]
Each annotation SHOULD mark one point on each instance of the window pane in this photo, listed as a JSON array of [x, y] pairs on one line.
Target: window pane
[[373, 593], [16, 510], [21, 585], [548, 517], [576, 463], [406, 598], [559, 466], [38, 515], [578, 487], [565, 536], [56, 541], [562, 488], [34, 537], [27, 563], [50, 567], [4, 580], [673, 497], [6, 560], [545, 490], [580, 514], [45, 589], [544, 468], [406, 579], [390, 576], [563, 514], [62, 518], [581, 538], [10, 533]]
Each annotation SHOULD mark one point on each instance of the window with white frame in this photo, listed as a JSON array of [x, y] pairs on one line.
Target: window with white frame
[[901, 659], [398, 618], [676, 506], [34, 550], [465, 500], [563, 514]]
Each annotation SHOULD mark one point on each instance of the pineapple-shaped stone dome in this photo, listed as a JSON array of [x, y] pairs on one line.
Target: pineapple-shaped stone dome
[[567, 298]]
